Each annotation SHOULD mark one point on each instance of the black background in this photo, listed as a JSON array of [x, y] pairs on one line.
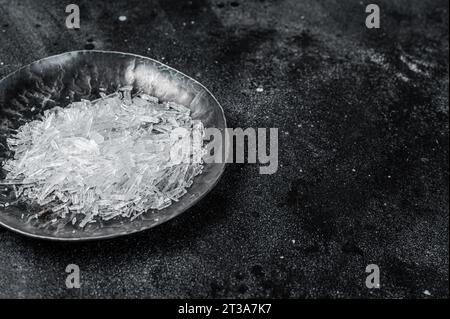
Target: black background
[[363, 177]]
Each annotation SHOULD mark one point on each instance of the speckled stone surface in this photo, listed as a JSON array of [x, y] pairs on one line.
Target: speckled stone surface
[[363, 176]]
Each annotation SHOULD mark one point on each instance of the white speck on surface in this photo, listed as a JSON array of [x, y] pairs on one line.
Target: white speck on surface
[[122, 18], [378, 59], [2, 63], [293, 241], [33, 108], [402, 77], [259, 89], [281, 257], [427, 292], [353, 170], [413, 64]]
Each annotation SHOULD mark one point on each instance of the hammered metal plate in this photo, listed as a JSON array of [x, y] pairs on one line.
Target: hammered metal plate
[[62, 79]]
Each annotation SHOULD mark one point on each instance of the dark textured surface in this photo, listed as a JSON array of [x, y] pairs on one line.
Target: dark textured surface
[[363, 119]]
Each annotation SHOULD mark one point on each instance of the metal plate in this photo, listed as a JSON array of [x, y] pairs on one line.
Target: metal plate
[[62, 79]]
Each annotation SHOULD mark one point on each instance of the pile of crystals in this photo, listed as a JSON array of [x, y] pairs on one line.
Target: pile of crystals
[[115, 156]]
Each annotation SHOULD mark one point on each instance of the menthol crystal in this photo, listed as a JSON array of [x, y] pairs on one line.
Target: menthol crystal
[[115, 156]]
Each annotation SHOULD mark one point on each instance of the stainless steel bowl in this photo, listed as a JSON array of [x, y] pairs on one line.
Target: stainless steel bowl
[[62, 79]]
